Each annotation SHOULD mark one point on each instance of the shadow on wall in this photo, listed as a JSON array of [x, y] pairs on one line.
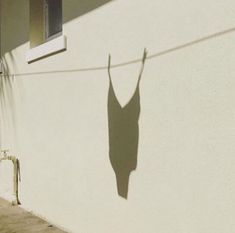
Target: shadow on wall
[[13, 10], [123, 134], [15, 32], [6, 97], [75, 8]]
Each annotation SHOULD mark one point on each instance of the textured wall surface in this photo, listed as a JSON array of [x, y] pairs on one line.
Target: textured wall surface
[[184, 179]]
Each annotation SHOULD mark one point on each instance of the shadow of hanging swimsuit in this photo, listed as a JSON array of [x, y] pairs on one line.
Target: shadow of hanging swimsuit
[[123, 134]]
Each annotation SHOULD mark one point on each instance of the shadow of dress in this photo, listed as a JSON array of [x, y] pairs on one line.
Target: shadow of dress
[[123, 135]]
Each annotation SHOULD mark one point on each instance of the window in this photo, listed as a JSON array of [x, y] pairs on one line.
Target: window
[[53, 18], [45, 28]]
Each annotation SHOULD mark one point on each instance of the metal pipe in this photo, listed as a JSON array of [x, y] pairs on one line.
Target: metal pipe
[[16, 175]]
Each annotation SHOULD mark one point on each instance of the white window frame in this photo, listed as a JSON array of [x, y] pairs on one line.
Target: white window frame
[[53, 44], [51, 47]]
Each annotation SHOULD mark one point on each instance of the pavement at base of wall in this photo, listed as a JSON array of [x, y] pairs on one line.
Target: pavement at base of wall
[[14, 219]]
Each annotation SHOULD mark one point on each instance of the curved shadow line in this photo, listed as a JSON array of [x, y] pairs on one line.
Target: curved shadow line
[[167, 51]]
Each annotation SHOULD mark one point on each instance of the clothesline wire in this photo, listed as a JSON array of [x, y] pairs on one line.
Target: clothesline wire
[[161, 53]]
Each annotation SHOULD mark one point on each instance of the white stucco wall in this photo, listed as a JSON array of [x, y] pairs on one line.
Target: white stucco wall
[[184, 181]]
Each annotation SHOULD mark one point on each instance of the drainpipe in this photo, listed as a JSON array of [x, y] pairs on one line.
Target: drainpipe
[[16, 177]]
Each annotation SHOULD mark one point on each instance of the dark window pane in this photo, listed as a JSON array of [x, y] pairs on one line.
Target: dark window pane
[[54, 17]]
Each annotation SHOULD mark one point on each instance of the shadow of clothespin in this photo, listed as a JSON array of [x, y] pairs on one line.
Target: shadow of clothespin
[[144, 55]]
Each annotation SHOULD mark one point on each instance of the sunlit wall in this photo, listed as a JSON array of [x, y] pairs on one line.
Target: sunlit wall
[[184, 130]]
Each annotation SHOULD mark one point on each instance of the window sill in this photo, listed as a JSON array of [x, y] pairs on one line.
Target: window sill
[[48, 48]]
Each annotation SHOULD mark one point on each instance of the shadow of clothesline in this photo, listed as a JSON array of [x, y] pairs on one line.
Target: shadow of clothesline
[[161, 53]]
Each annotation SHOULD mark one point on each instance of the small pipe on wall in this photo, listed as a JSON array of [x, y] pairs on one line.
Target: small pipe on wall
[[16, 176]]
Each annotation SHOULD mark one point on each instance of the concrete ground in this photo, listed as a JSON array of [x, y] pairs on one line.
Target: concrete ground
[[14, 219]]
